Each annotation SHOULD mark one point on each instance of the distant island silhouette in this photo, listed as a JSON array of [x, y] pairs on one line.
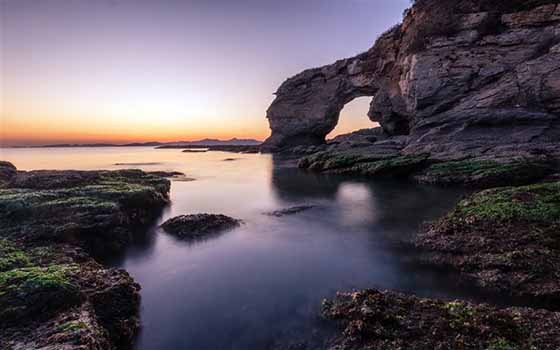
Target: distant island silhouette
[[174, 144]]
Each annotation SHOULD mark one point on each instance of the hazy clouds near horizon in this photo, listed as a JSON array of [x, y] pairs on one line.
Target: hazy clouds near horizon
[[135, 70]]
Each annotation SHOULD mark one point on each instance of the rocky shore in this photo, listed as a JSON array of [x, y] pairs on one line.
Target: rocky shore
[[465, 93], [374, 319], [53, 293]]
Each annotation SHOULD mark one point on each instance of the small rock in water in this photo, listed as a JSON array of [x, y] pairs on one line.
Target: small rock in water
[[166, 173], [199, 225], [289, 211]]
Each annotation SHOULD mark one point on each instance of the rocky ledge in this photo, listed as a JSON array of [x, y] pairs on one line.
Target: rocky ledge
[[373, 319], [53, 294], [506, 240], [197, 226], [384, 159]]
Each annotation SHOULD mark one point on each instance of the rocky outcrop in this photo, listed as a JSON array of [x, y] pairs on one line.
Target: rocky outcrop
[[53, 294], [454, 80], [505, 240], [374, 319], [96, 209], [195, 226]]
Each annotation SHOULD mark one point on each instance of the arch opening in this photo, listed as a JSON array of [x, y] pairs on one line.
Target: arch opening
[[353, 117]]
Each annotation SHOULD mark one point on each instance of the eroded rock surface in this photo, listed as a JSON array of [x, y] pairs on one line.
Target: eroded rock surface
[[53, 294], [454, 80], [374, 319]]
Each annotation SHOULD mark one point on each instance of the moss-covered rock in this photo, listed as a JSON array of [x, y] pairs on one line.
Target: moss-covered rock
[[360, 162], [52, 293], [11, 257], [401, 166], [505, 239], [98, 209], [387, 320], [485, 173], [36, 292]]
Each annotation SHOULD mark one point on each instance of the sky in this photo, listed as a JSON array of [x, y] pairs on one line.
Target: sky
[[143, 70]]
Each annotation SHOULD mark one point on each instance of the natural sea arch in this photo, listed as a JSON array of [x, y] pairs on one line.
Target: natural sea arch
[[353, 116]]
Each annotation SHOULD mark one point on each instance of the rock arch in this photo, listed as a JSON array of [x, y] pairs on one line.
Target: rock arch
[[308, 105]]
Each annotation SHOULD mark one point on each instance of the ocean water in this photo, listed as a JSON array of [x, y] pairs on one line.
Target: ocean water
[[260, 286]]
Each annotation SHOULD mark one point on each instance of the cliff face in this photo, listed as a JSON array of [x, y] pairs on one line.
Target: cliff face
[[452, 81]]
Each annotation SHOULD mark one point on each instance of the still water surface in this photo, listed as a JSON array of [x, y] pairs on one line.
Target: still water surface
[[260, 286]]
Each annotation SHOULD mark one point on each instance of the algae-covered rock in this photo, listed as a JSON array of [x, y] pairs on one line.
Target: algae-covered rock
[[36, 292], [374, 319], [97, 209], [53, 295], [199, 225], [485, 172], [505, 239]]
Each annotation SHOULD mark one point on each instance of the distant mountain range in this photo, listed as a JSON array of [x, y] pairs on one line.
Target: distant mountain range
[[176, 144]]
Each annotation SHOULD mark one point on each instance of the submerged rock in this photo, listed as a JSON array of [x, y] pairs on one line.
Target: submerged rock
[[506, 240], [290, 211], [166, 173], [199, 225], [373, 319]]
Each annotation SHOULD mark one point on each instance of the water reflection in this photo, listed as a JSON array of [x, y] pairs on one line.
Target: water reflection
[[260, 286]]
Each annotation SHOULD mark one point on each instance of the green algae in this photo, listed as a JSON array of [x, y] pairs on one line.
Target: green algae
[[11, 257], [397, 166], [501, 344], [533, 203], [485, 172], [36, 291], [31, 278], [72, 326]]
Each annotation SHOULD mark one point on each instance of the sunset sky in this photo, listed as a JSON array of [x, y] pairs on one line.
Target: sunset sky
[[145, 70]]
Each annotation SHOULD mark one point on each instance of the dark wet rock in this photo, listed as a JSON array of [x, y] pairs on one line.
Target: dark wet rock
[[199, 225], [373, 319], [166, 173], [455, 80], [96, 209], [486, 172], [50, 299], [7, 171], [362, 162], [53, 295], [290, 211], [506, 240], [385, 158]]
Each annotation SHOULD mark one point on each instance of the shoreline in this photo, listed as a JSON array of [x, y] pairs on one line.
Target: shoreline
[[68, 258]]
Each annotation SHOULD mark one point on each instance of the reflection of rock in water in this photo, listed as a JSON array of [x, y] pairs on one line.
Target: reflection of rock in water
[[291, 184], [417, 202]]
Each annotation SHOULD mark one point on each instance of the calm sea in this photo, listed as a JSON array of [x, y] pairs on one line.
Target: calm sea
[[260, 286]]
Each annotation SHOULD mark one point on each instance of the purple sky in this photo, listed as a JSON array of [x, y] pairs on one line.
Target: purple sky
[[112, 70]]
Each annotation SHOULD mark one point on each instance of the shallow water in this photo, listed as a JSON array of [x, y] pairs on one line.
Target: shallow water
[[260, 286]]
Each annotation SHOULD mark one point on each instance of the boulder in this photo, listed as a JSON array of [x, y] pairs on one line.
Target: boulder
[[199, 225]]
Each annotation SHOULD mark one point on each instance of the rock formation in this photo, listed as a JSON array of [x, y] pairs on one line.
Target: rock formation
[[53, 294], [196, 226], [454, 80]]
